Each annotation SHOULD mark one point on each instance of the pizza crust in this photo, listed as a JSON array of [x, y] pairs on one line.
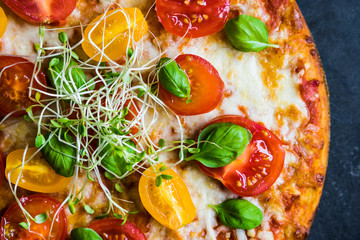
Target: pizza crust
[[283, 89]]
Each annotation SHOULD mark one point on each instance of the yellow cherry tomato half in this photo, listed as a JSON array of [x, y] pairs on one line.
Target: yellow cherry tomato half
[[113, 32], [37, 175], [170, 203], [3, 22]]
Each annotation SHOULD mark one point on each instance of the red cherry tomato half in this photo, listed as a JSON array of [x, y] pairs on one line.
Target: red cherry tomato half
[[258, 167], [206, 87], [52, 12], [34, 204], [15, 79], [193, 18], [114, 229]]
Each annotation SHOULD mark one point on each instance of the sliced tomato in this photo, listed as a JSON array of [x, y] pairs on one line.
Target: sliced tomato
[[37, 175], [206, 87], [52, 12], [113, 32], [115, 229], [15, 79], [258, 167], [193, 18], [3, 22], [170, 203], [34, 204]]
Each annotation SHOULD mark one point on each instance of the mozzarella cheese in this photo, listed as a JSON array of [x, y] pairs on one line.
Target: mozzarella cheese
[[243, 75]]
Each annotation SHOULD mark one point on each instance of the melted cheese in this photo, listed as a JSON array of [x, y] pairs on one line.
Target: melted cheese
[[242, 75]]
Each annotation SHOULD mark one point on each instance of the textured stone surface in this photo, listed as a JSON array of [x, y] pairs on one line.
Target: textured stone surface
[[335, 26]]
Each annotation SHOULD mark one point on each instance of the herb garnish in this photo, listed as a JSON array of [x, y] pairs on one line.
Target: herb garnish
[[173, 78], [219, 144], [248, 34], [239, 213]]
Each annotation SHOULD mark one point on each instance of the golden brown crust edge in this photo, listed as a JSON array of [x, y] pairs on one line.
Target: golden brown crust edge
[[308, 175]]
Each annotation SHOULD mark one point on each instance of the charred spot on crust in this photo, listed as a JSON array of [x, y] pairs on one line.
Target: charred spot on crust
[[313, 52], [288, 200], [320, 178], [301, 232], [309, 39]]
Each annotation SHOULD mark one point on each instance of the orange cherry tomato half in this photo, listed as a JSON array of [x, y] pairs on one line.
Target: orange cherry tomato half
[[258, 167], [170, 203], [34, 204], [3, 22], [115, 229], [52, 12], [37, 175], [206, 87], [193, 18], [113, 33], [15, 79]]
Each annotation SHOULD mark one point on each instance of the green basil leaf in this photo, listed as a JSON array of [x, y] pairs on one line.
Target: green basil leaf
[[173, 78], [84, 234], [60, 156], [247, 34], [220, 144], [40, 218], [72, 75], [114, 159], [239, 213]]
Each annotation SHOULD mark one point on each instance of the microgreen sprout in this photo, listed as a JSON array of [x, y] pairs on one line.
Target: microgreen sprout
[[93, 108]]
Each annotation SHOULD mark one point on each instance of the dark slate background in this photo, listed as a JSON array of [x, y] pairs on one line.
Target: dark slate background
[[335, 25]]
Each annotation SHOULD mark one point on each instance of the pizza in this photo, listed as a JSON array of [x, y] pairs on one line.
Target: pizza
[[166, 119]]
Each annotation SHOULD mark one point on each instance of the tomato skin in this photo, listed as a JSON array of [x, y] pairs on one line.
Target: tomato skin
[[114, 38], [52, 12], [170, 203], [206, 87], [3, 22], [206, 16], [34, 204], [37, 175], [114, 227], [15, 81], [258, 167]]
